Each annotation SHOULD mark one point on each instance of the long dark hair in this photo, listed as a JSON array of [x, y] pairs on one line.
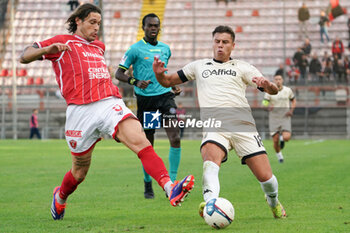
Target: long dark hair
[[81, 12], [225, 29]]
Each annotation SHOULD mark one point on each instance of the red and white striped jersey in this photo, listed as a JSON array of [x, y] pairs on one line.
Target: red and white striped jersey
[[82, 74]]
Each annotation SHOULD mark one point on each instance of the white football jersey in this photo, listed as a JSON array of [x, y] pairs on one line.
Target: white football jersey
[[282, 99], [222, 85]]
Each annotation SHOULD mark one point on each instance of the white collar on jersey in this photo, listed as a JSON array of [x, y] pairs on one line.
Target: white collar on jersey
[[81, 38]]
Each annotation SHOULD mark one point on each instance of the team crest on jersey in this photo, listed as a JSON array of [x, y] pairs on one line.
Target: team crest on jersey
[[73, 144], [79, 45]]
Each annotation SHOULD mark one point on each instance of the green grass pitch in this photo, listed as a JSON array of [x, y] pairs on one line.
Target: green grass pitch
[[314, 187]]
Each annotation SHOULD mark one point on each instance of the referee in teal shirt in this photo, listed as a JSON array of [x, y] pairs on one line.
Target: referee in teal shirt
[[151, 96]]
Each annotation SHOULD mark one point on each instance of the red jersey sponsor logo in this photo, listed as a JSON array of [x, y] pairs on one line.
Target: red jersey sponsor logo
[[73, 133], [73, 144], [86, 54], [98, 73]]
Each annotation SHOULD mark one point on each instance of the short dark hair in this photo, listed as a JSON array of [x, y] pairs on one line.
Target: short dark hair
[[150, 15], [225, 29], [81, 12]]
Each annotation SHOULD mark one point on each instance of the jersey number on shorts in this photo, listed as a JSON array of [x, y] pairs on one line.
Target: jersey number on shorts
[[258, 140]]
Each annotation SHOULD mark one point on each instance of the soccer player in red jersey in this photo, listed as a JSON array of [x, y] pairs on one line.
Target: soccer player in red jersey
[[94, 106]]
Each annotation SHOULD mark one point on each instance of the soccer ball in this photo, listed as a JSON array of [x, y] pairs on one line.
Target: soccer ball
[[218, 213]]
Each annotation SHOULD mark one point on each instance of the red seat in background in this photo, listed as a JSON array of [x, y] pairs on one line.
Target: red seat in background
[[30, 81], [4, 73], [22, 73], [39, 81], [255, 13]]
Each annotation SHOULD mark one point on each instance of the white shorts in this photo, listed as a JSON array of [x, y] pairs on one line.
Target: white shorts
[[85, 123], [279, 124], [246, 144]]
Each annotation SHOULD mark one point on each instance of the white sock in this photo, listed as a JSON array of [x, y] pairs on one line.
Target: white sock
[[167, 187], [270, 188], [279, 155], [211, 184], [59, 200]]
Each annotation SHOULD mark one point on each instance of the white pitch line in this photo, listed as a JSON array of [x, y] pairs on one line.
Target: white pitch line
[[314, 142]]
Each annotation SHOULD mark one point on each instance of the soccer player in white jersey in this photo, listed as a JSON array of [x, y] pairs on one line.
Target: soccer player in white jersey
[[94, 106], [281, 108], [221, 83]]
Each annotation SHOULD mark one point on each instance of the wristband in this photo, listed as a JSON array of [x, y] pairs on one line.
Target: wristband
[[261, 89], [132, 81]]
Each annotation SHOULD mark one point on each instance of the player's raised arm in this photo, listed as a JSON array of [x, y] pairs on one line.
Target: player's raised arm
[[166, 80], [33, 53], [268, 86]]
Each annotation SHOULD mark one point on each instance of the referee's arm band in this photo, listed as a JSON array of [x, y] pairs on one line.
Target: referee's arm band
[[182, 76], [124, 68]]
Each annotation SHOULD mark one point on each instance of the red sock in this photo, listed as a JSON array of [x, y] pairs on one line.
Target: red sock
[[69, 184], [154, 165]]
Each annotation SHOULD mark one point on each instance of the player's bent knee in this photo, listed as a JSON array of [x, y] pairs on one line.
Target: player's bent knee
[[130, 130], [140, 141], [286, 135], [212, 152]]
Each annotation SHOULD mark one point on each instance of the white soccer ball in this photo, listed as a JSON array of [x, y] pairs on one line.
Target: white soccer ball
[[218, 213]]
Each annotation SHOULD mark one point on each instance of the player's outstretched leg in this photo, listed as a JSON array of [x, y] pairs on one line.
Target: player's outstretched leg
[[155, 167], [57, 209], [180, 190]]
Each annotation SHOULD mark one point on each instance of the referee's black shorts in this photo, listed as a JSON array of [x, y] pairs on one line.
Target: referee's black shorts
[[165, 103]]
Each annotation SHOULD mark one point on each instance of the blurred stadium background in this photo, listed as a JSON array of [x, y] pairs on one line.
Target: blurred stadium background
[[266, 36]]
